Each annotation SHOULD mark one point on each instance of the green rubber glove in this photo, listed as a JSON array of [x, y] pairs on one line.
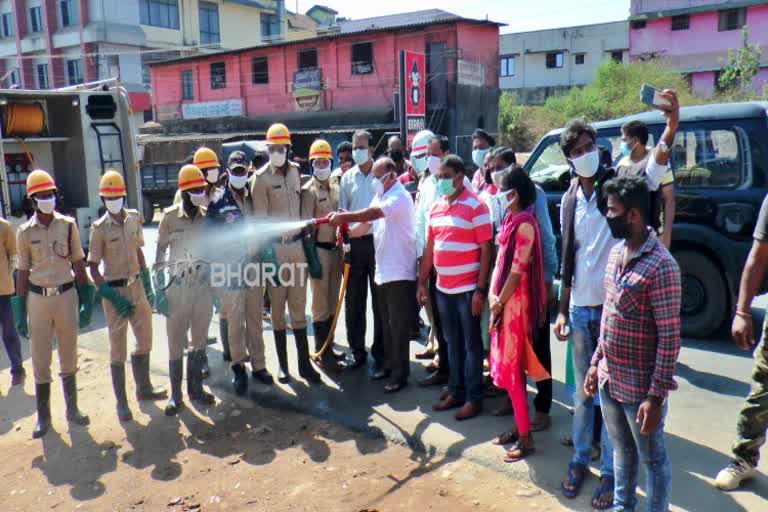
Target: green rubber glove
[[85, 297], [122, 305], [161, 300], [147, 282], [268, 257], [313, 260], [19, 308]]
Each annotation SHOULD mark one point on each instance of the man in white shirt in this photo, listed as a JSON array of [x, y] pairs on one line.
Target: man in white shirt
[[392, 215]]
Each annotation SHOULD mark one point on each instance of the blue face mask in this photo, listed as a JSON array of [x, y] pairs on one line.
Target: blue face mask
[[360, 156], [625, 149], [445, 186]]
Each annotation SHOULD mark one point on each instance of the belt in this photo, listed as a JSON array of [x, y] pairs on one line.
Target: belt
[[123, 283], [50, 292], [361, 238], [328, 246]]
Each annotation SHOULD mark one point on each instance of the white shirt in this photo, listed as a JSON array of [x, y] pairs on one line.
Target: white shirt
[[394, 236], [425, 200]]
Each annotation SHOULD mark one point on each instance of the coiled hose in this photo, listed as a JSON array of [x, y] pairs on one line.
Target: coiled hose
[[23, 119]]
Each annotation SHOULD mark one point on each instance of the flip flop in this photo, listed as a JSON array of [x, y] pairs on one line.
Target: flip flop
[[510, 436], [605, 488], [575, 480], [518, 452]]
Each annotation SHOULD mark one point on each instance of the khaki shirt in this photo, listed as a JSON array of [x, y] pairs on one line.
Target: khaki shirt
[[117, 244], [183, 235], [277, 195], [7, 252], [318, 199], [49, 251]]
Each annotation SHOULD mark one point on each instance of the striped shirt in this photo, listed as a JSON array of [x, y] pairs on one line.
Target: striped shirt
[[458, 229]]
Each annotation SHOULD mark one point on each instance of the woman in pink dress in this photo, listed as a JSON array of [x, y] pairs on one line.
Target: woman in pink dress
[[518, 302]]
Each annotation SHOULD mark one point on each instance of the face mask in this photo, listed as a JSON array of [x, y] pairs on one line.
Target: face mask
[[420, 164], [433, 163], [212, 176], [114, 205], [478, 156], [619, 226], [238, 182], [46, 205], [396, 155], [277, 159], [360, 156], [624, 149], [504, 199], [445, 186], [496, 178], [378, 187], [199, 199], [323, 174], [586, 165]]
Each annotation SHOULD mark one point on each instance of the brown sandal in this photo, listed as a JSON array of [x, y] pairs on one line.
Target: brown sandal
[[508, 437], [520, 450]]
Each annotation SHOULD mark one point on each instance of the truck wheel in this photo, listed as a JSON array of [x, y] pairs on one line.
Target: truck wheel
[[704, 295], [149, 210]]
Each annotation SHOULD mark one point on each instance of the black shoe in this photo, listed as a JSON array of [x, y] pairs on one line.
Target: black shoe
[[70, 398], [435, 379], [43, 399], [240, 380], [306, 371], [381, 374], [263, 376], [195, 378], [394, 387], [176, 374], [353, 362], [18, 377], [281, 347]]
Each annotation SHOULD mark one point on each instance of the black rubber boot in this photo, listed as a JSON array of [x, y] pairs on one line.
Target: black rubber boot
[[205, 371], [281, 347], [224, 335], [327, 361], [176, 374], [70, 398], [306, 371], [195, 389], [43, 398], [144, 388], [239, 379], [118, 385]]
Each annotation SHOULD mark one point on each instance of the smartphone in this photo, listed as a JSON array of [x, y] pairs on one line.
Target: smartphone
[[652, 96]]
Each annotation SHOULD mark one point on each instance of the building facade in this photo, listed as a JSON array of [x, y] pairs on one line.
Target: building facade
[[536, 65], [694, 36]]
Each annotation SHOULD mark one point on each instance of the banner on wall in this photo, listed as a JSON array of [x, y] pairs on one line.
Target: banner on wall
[[308, 90], [225, 108], [412, 94]]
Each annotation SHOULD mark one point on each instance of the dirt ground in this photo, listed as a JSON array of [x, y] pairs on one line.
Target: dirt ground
[[233, 456]]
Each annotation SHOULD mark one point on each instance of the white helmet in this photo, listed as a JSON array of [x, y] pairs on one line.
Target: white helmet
[[420, 142]]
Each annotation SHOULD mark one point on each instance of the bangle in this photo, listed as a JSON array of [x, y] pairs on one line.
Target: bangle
[[743, 314]]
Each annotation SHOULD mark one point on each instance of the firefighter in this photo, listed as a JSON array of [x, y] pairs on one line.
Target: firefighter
[[319, 197], [117, 240], [49, 251], [187, 303], [276, 194]]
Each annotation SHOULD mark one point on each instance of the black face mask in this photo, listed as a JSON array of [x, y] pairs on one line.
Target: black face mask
[[396, 155], [619, 226]]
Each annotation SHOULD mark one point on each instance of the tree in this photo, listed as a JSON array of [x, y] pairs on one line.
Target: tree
[[743, 65]]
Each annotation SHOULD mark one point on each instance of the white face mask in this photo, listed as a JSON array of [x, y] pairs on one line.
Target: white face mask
[[277, 159], [420, 164], [360, 156], [378, 187], [504, 200], [114, 206], [433, 162], [322, 174], [238, 182], [478, 156], [586, 165], [46, 205], [212, 176], [496, 178], [199, 199]]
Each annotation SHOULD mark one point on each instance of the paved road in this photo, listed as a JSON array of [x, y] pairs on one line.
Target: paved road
[[713, 377]]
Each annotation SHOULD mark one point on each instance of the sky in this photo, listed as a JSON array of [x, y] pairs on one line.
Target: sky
[[519, 15]]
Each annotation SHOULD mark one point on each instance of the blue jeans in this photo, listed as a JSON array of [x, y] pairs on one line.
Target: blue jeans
[[585, 329], [465, 345], [628, 441], [10, 337]]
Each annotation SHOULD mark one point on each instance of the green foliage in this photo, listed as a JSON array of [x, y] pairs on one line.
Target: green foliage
[[513, 129], [743, 64]]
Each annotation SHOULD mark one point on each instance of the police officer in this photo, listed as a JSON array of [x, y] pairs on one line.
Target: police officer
[[241, 300], [319, 197], [275, 193], [10, 336], [49, 250], [187, 302], [117, 240]]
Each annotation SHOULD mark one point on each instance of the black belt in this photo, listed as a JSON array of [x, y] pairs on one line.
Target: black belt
[[123, 283], [49, 292], [363, 238], [328, 246]]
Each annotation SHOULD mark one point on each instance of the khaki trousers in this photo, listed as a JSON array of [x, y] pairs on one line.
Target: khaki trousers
[[189, 308], [244, 325], [49, 316], [325, 291], [292, 289], [140, 320]]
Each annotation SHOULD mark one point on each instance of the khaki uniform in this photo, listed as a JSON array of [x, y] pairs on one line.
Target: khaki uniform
[[8, 243], [190, 304], [48, 253], [117, 244], [277, 196], [318, 199]]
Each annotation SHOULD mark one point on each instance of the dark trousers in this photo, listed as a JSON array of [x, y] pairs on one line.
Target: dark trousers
[[361, 272], [442, 346], [465, 346], [543, 401], [397, 305], [10, 337]]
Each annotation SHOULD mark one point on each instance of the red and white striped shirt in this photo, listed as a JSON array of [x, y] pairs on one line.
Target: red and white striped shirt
[[458, 229]]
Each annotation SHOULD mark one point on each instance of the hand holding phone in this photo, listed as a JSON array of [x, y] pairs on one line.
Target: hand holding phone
[[653, 97]]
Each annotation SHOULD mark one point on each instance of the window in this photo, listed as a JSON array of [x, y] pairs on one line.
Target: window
[[617, 56], [555, 60], [159, 13], [550, 170], [146, 74], [209, 23], [41, 76], [6, 31], [270, 27], [68, 12], [260, 70], [308, 59], [13, 77], [187, 88], [218, 75], [74, 72], [732, 19], [35, 19], [362, 58], [681, 22], [706, 158], [578, 59], [507, 67], [638, 24], [113, 66]]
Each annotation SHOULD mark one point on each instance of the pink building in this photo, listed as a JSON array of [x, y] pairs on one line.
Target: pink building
[[694, 36]]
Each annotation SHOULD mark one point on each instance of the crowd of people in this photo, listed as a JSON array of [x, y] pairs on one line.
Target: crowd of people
[[475, 251]]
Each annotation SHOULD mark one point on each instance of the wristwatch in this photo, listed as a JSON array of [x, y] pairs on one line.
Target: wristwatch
[[663, 147]]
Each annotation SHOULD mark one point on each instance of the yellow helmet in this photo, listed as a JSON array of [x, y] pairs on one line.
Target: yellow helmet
[[278, 134], [205, 158], [112, 185], [190, 176], [320, 149], [39, 181]]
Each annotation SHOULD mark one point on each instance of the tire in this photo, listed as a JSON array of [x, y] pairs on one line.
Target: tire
[[704, 295], [149, 210]]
